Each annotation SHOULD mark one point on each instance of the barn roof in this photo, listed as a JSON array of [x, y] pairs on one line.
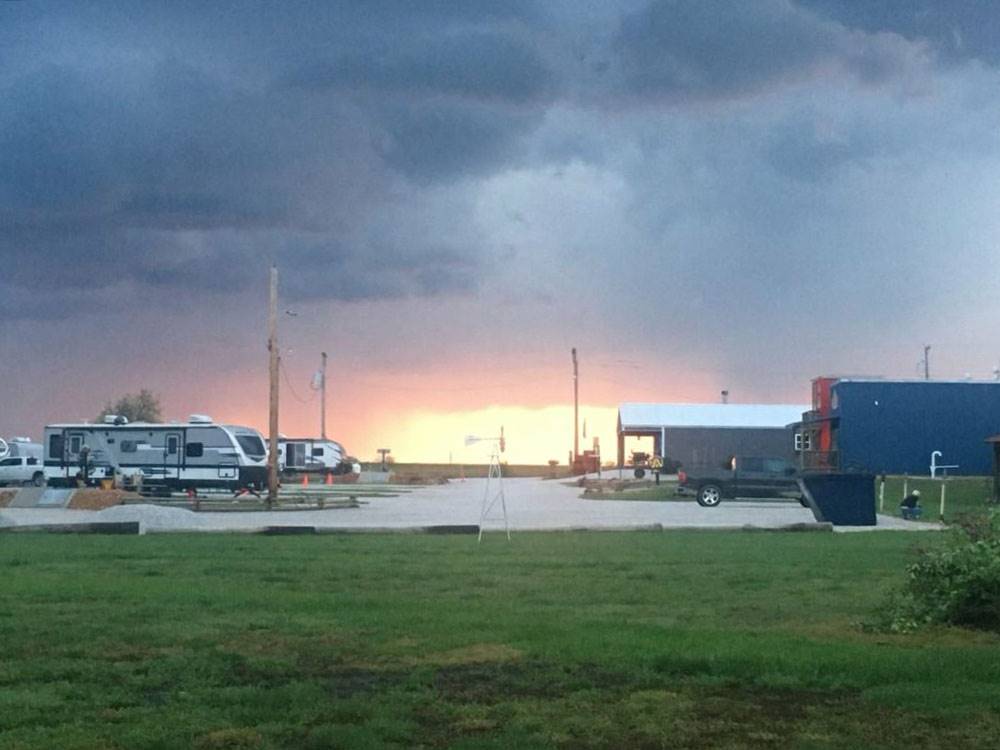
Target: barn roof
[[635, 416]]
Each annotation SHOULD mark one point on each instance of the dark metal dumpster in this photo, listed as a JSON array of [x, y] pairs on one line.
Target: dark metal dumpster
[[840, 499]]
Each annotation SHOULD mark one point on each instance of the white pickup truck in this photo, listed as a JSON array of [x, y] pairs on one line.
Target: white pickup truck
[[21, 463]]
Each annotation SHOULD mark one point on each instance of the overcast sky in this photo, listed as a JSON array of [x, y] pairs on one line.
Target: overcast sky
[[697, 194]]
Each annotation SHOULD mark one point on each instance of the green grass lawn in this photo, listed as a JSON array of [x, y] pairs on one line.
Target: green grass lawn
[[697, 639], [664, 491], [964, 495]]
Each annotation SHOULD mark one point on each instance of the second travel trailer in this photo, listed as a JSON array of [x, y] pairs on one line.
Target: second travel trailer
[[314, 454], [199, 454]]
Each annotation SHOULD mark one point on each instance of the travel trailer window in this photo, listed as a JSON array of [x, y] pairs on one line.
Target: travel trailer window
[[75, 443], [56, 446], [127, 446], [194, 450], [317, 453], [252, 445], [209, 437]]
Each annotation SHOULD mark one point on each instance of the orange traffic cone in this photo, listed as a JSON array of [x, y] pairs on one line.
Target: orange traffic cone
[[305, 480], [329, 477]]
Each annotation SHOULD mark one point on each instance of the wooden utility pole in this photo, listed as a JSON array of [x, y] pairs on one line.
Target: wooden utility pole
[[272, 348], [322, 398], [576, 409]]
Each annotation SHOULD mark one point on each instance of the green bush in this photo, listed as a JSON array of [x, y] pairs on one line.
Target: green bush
[[955, 583]]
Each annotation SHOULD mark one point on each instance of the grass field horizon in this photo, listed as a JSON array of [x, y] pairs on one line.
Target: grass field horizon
[[675, 639]]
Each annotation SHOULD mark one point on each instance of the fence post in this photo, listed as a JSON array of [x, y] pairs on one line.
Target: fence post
[[944, 491], [881, 493]]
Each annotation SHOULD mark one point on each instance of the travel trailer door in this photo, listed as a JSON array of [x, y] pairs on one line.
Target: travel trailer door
[[73, 447], [172, 442], [295, 455]]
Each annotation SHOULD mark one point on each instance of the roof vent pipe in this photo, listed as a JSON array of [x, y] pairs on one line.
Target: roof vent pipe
[[725, 397]]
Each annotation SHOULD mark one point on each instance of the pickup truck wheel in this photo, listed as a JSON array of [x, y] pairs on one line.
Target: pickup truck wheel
[[639, 473], [38, 480], [709, 495]]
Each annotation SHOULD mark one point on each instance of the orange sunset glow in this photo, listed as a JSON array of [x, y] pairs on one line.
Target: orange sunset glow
[[533, 436]]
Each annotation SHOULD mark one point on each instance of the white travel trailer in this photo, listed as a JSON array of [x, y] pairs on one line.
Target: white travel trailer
[[195, 455], [312, 454]]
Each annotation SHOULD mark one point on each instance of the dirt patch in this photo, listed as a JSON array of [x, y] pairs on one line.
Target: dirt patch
[[6, 496], [95, 499], [494, 682], [477, 653]]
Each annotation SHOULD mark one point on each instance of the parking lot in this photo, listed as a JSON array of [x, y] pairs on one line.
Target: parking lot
[[532, 505]]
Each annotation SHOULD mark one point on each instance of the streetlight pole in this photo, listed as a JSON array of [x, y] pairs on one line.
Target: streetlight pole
[[322, 398], [927, 363], [576, 409], [272, 347]]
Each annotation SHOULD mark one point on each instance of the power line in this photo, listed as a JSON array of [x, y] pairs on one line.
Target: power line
[[288, 382]]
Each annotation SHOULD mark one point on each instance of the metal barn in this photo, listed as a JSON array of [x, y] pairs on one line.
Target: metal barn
[[700, 434]]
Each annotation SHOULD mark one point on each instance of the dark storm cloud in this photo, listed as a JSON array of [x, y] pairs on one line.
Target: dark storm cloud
[[185, 145], [957, 29], [690, 50], [167, 170], [472, 64], [797, 149]]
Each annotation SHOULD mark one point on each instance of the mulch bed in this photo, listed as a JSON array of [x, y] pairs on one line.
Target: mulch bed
[[97, 499]]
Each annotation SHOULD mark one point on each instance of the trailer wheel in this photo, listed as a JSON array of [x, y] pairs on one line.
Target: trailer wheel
[[709, 495], [640, 473], [38, 479]]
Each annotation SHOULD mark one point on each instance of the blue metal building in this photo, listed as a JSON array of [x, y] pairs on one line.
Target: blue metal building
[[893, 426]]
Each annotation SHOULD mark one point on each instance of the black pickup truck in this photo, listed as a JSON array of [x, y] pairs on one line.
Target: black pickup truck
[[741, 476]]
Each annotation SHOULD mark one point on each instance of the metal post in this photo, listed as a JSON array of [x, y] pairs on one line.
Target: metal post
[[944, 491], [272, 346], [881, 494], [322, 398], [927, 364], [576, 410]]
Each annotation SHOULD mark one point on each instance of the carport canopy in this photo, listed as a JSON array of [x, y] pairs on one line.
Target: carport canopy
[[653, 420]]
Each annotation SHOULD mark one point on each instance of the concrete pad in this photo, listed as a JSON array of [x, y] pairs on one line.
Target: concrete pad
[[41, 497], [532, 505]]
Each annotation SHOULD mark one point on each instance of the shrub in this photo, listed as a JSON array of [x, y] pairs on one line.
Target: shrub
[[955, 583]]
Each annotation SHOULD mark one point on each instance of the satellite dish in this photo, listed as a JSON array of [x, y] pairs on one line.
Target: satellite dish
[[3, 448]]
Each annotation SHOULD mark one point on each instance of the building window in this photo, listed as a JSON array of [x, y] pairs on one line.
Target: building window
[[803, 441]]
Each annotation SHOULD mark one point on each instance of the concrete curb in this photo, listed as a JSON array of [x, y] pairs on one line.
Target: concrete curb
[[96, 527]]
